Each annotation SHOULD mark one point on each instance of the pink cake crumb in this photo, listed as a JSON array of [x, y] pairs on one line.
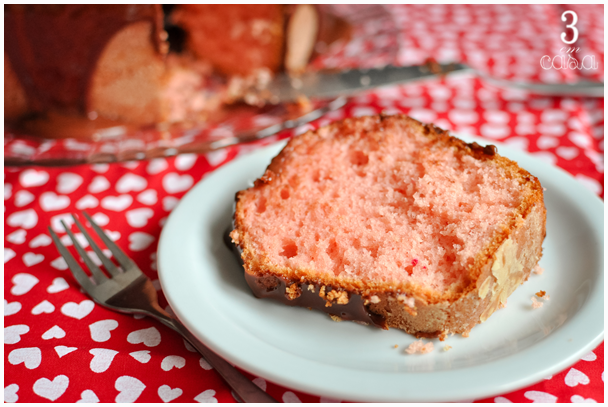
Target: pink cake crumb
[[538, 270], [536, 304], [419, 347]]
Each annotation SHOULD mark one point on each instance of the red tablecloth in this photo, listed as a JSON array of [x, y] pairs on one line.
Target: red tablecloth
[[60, 346]]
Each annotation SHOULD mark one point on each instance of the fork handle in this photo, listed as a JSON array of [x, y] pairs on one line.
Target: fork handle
[[242, 386]]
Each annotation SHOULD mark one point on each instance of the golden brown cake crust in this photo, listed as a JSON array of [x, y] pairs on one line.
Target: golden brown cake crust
[[504, 263]]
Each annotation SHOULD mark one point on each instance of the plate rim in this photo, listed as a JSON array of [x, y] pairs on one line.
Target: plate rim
[[510, 384]]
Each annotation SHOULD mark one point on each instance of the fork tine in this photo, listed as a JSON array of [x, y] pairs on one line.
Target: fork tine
[[75, 268], [96, 271], [119, 255], [109, 265]]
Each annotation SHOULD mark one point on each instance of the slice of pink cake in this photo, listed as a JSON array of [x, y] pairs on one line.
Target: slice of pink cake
[[388, 221]]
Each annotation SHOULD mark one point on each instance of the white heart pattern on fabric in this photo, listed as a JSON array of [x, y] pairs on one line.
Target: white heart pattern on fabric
[[86, 202], [206, 397], [30, 357], [552, 129], [117, 203], [496, 116], [174, 183], [545, 142], [494, 131], [130, 389], [463, 116], [170, 202], [138, 218], [101, 219], [23, 198], [169, 362], [261, 383], [184, 162], [23, 283], [102, 359], [149, 337], [78, 311], [31, 259], [567, 153], [50, 201], [40, 241], [99, 184], [63, 350], [540, 397], [589, 357], [580, 139], [290, 397], [148, 197], [8, 254], [156, 165], [88, 396], [26, 219], [100, 168], [502, 400], [33, 178], [131, 182], [51, 390], [114, 236], [553, 115], [44, 307], [168, 394], [216, 157], [140, 241], [11, 308], [12, 334], [10, 393], [204, 364], [580, 399], [142, 356], [68, 182], [100, 330], [54, 332], [130, 164], [575, 377], [56, 222], [59, 263], [423, 115], [59, 284], [17, 237]]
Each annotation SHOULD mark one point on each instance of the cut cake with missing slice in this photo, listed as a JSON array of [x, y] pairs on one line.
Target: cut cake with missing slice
[[392, 222]]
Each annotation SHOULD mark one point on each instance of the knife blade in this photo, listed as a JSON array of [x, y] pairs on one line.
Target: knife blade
[[327, 84]]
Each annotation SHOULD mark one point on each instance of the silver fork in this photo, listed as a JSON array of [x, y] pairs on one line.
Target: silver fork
[[128, 290]]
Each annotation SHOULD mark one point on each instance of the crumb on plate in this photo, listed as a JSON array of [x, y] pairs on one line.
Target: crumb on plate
[[535, 303], [538, 270], [419, 347]]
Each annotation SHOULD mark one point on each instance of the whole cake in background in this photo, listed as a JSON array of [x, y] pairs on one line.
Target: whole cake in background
[[99, 65], [393, 223]]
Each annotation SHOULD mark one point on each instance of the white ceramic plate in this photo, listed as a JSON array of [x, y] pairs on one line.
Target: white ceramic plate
[[307, 351]]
